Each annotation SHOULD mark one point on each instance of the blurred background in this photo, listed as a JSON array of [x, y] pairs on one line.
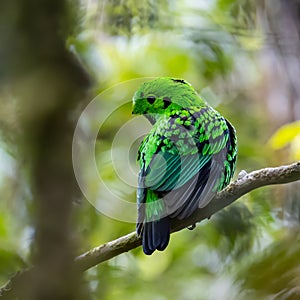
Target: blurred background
[[242, 56]]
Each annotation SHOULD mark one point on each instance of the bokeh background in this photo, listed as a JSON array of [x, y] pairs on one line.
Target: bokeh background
[[242, 56]]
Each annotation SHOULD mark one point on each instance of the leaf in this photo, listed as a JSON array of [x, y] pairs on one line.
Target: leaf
[[10, 262], [285, 135], [295, 148]]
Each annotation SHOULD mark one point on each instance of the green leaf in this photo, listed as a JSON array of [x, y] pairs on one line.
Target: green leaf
[[10, 262]]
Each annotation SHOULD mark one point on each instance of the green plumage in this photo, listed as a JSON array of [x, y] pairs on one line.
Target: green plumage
[[187, 157]]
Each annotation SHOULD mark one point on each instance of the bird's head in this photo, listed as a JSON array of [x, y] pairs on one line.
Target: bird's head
[[162, 96]]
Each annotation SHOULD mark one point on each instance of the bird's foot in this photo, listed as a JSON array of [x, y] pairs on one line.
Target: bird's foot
[[191, 227]]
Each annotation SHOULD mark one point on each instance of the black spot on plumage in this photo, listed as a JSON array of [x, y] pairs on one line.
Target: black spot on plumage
[[173, 118], [167, 102], [188, 127], [200, 146], [183, 118], [196, 115], [151, 99], [180, 81]]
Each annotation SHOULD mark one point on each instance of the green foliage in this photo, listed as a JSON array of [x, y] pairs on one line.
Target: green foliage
[[235, 227], [275, 272], [130, 17], [10, 262]]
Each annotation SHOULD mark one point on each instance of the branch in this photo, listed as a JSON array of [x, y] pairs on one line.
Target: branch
[[243, 185]]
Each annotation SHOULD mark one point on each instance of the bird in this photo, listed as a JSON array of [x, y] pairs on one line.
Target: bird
[[188, 156]]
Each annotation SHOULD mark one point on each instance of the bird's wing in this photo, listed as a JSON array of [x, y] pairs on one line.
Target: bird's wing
[[168, 170], [186, 179]]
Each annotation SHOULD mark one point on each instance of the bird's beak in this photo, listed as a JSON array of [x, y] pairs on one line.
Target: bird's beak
[[133, 107]]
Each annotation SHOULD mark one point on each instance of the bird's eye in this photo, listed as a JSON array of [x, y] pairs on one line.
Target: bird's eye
[[167, 102], [151, 99]]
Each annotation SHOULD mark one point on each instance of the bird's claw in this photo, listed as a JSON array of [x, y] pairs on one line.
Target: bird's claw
[[191, 227]]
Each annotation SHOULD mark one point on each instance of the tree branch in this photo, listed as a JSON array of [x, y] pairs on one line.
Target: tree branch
[[243, 185]]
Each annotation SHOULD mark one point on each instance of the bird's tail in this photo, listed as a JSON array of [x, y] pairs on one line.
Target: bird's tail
[[156, 235]]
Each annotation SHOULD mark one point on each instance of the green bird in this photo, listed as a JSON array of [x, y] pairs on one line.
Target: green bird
[[187, 157]]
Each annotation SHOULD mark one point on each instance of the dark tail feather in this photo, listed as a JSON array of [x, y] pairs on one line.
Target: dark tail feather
[[156, 235]]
